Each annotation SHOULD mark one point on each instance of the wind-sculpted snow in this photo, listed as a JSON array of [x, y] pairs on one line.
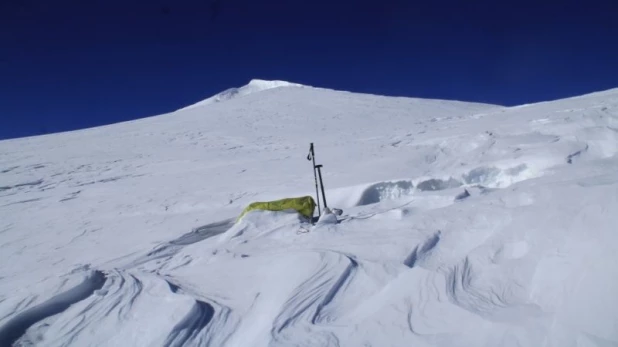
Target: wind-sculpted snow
[[203, 232], [422, 250], [491, 301], [115, 312], [189, 327], [168, 249], [14, 328], [309, 303], [463, 225], [196, 328]]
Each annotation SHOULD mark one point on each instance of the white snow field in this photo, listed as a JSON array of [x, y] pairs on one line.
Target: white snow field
[[463, 225]]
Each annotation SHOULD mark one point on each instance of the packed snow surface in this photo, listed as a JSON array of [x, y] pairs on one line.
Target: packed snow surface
[[463, 225]]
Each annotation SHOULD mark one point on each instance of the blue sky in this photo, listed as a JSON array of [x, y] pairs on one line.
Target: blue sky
[[71, 64]]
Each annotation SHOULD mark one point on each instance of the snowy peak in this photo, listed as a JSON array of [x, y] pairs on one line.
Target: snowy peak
[[254, 86], [263, 84]]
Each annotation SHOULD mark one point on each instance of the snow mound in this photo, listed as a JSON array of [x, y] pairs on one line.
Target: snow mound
[[385, 191], [254, 86]]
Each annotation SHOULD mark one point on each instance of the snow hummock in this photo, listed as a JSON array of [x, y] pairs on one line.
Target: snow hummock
[[254, 86], [463, 224]]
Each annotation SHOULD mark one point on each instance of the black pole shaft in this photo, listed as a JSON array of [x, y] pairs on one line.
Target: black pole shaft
[[317, 194], [322, 185]]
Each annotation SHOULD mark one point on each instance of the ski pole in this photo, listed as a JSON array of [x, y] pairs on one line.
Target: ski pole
[[319, 167], [311, 156]]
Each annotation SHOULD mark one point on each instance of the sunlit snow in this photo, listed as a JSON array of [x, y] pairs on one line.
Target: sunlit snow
[[463, 225]]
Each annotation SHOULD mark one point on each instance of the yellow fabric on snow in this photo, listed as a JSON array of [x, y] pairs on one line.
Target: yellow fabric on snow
[[304, 205]]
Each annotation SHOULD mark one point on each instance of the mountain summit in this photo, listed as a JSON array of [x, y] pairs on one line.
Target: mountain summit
[[254, 86]]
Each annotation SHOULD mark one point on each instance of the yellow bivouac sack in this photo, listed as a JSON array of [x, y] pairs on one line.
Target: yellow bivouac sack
[[304, 205]]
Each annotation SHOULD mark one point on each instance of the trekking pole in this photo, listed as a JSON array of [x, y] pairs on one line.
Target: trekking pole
[[319, 167], [311, 156]]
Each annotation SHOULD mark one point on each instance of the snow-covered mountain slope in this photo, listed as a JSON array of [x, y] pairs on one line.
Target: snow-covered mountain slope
[[254, 86], [464, 225]]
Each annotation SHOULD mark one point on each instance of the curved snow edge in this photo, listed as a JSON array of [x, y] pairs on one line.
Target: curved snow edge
[[17, 326]]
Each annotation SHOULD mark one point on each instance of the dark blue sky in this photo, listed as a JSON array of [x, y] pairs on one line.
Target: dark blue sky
[[70, 64]]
